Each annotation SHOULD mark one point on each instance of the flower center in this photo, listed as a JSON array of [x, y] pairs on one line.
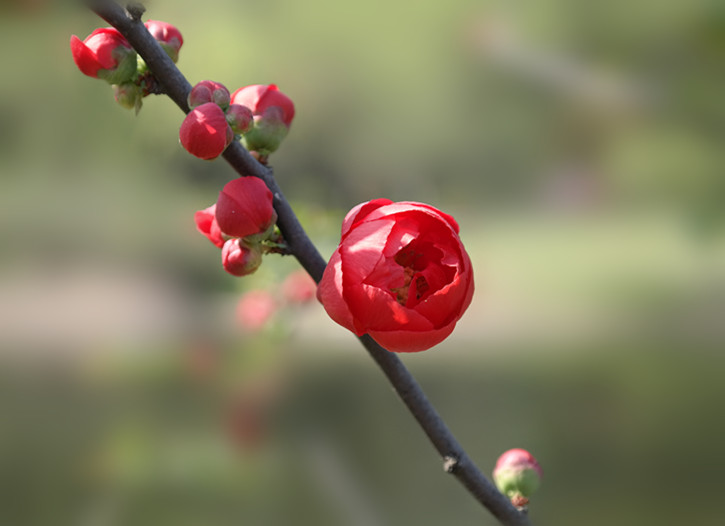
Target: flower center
[[415, 285], [421, 287]]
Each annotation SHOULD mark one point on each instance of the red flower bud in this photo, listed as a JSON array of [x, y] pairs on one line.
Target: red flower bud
[[240, 118], [400, 274], [209, 91], [104, 54], [273, 113], [517, 475], [205, 132], [207, 225], [240, 259], [260, 97], [167, 35], [244, 207]]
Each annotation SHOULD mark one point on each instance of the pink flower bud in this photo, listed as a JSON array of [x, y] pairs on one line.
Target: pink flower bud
[[167, 35], [517, 475], [240, 259], [209, 91], [299, 287], [255, 308], [240, 118], [244, 207], [273, 113], [205, 132], [206, 224], [104, 54]]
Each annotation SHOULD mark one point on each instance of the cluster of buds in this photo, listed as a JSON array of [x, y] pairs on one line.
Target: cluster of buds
[[106, 54], [242, 224], [260, 114]]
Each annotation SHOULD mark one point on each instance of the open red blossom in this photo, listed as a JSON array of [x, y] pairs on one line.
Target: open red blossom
[[205, 132], [400, 274], [167, 35], [244, 207], [206, 224], [102, 53], [260, 97]]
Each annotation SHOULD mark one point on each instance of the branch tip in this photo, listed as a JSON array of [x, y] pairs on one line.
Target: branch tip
[[135, 10]]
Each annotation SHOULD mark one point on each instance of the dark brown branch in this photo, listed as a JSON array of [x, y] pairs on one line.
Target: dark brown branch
[[175, 85]]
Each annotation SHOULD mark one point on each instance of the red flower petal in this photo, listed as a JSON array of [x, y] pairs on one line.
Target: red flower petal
[[206, 224], [84, 58], [329, 293], [245, 207], [203, 132], [408, 341]]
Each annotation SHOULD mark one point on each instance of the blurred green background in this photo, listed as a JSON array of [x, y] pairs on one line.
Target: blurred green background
[[580, 146]]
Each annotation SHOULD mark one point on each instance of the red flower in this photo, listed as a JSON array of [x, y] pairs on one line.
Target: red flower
[[106, 54], [205, 132], [240, 259], [400, 274], [167, 35], [244, 207], [206, 224], [260, 97]]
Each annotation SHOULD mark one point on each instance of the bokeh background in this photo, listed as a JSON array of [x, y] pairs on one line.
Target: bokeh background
[[580, 146]]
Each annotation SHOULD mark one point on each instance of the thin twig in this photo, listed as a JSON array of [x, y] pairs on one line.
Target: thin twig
[[175, 85]]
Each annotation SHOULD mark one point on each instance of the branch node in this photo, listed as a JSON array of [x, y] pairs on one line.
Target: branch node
[[450, 464], [135, 10]]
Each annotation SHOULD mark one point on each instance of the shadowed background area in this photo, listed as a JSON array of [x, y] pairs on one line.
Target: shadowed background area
[[578, 145]]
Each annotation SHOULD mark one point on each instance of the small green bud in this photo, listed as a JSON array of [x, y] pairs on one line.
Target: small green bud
[[517, 475]]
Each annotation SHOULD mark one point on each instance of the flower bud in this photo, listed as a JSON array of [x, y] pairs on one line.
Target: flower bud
[[104, 54], [240, 118], [209, 91], [517, 475], [128, 95], [244, 207], [206, 224], [167, 35], [205, 132], [240, 259], [273, 113], [267, 134]]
